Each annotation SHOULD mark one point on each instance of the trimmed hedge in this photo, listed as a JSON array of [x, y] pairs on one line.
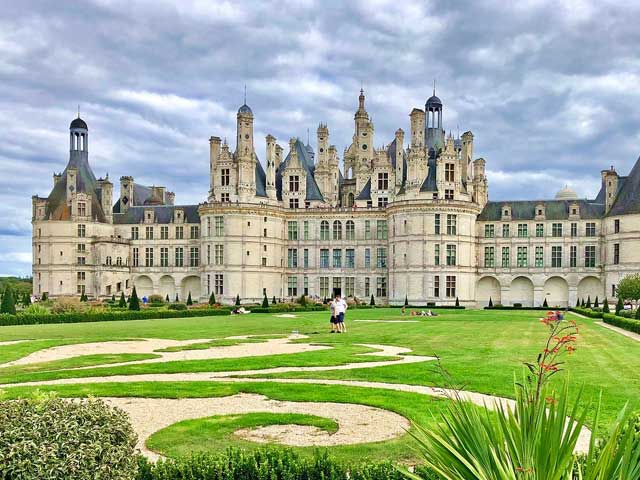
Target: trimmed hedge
[[587, 312], [625, 323], [508, 307], [268, 464], [308, 308], [432, 307], [108, 316]]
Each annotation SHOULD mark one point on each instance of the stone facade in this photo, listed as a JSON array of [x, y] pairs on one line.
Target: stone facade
[[398, 221]]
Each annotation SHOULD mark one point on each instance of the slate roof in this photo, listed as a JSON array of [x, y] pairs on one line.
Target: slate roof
[[78, 123], [430, 184], [141, 194], [313, 192], [554, 209], [163, 214], [261, 180], [628, 199], [365, 194]]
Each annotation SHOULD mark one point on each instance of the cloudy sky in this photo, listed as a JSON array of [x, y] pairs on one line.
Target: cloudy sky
[[550, 89]]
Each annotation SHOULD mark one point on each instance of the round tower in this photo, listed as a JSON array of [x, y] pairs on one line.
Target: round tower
[[434, 134]]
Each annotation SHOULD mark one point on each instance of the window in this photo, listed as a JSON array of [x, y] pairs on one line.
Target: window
[[383, 181], [294, 203], [305, 228], [556, 230], [590, 256], [350, 232], [590, 229], [449, 172], [80, 289], [539, 229], [337, 230], [506, 257], [349, 286], [119, 264], [81, 247], [381, 257], [208, 255], [556, 256], [448, 194], [135, 233], [382, 202], [218, 283], [539, 260], [506, 230], [451, 255], [337, 258], [573, 256], [82, 209], [218, 223], [324, 287], [382, 230], [294, 183], [195, 231], [381, 286], [367, 286], [218, 254], [452, 221], [81, 276], [292, 286], [194, 256], [616, 254], [523, 230], [324, 258], [436, 254], [82, 230], [305, 285], [350, 258], [616, 226], [136, 257], [82, 261], [436, 286], [324, 230], [164, 257], [292, 228], [224, 197], [148, 233], [148, 257], [264, 261], [574, 229], [489, 257], [367, 229], [451, 286], [292, 258], [179, 257], [224, 177], [337, 285], [367, 258], [305, 258], [489, 231], [164, 232], [179, 233], [523, 260], [436, 224]]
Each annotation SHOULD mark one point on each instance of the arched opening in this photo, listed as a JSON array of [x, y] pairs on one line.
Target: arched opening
[[191, 284], [350, 172], [350, 199], [556, 291], [337, 230], [168, 287], [521, 291], [488, 288], [590, 287], [144, 286]]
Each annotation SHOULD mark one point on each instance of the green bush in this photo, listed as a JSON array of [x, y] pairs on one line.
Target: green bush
[[212, 299], [265, 301], [238, 300], [60, 439], [123, 301], [621, 322], [177, 306], [587, 312], [134, 301], [189, 300], [8, 304], [35, 309], [156, 299]]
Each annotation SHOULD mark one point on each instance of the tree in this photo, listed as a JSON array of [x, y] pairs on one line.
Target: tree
[[629, 288], [545, 304], [638, 313], [212, 299], [134, 301], [582, 303], [596, 304], [619, 306], [578, 303], [605, 306], [8, 304], [373, 301], [166, 299], [273, 300], [237, 300], [83, 297], [406, 301], [26, 299], [113, 298], [123, 301], [189, 301], [589, 301], [457, 302], [490, 302], [303, 300], [265, 301]]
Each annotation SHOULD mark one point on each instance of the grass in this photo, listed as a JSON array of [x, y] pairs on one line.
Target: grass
[[481, 350]]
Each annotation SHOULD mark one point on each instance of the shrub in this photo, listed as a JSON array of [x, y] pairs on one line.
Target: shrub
[[517, 305], [596, 304], [134, 301], [490, 302], [212, 299], [373, 301], [156, 299], [189, 301], [177, 306], [123, 301], [619, 306], [457, 302], [166, 299], [265, 302], [68, 305], [605, 305], [177, 299], [588, 302], [8, 304], [26, 299], [60, 439], [238, 300], [273, 300], [621, 322], [303, 300], [406, 301], [45, 297], [545, 304], [35, 309]]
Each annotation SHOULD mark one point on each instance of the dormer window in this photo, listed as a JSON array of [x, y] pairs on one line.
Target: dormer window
[[294, 183]]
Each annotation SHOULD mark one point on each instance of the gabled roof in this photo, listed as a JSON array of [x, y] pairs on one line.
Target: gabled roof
[[163, 214], [628, 199], [261, 180], [141, 194], [554, 209], [313, 192]]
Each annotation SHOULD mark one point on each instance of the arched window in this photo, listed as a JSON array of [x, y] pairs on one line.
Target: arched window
[[108, 261], [324, 230], [119, 261], [337, 230], [350, 199], [350, 230]]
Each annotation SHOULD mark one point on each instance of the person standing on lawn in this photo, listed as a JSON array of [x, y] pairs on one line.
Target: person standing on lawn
[[334, 316], [341, 308]]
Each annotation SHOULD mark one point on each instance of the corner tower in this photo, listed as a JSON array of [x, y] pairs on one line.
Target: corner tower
[[434, 134]]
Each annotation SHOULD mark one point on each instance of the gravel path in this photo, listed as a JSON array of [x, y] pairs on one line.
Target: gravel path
[[356, 423]]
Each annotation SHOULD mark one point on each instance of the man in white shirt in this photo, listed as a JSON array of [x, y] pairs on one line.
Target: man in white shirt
[[340, 309]]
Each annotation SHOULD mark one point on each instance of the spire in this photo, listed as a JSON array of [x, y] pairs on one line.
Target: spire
[[245, 94], [308, 138], [361, 100], [434, 87], [78, 110]]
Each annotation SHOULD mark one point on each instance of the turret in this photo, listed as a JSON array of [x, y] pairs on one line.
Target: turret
[[106, 198], [126, 193], [480, 190], [271, 167], [398, 157], [434, 134], [245, 154], [466, 154], [610, 184], [417, 128], [323, 143], [214, 158]]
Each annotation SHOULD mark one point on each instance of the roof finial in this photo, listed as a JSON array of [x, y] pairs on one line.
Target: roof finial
[[434, 87], [245, 94], [308, 137], [78, 110]]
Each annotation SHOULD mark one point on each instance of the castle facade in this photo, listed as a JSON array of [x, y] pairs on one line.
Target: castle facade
[[411, 219]]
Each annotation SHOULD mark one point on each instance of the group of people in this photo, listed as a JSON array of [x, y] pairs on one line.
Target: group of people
[[421, 313], [338, 308]]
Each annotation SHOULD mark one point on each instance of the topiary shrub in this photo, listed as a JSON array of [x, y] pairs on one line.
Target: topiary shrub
[[238, 300], [373, 301], [26, 299], [265, 302], [8, 304], [273, 300], [177, 306], [457, 302], [588, 305], [212, 299], [123, 301], [61, 439], [156, 299], [605, 305], [303, 301], [406, 301], [490, 302], [545, 304], [189, 301], [177, 299], [134, 301]]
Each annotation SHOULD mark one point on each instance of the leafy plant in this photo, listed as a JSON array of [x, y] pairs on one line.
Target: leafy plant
[[629, 287], [212, 299], [134, 301], [68, 305]]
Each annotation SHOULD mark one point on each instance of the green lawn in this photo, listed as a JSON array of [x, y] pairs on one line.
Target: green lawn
[[481, 350]]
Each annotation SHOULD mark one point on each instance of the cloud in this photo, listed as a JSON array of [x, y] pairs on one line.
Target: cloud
[[548, 89]]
